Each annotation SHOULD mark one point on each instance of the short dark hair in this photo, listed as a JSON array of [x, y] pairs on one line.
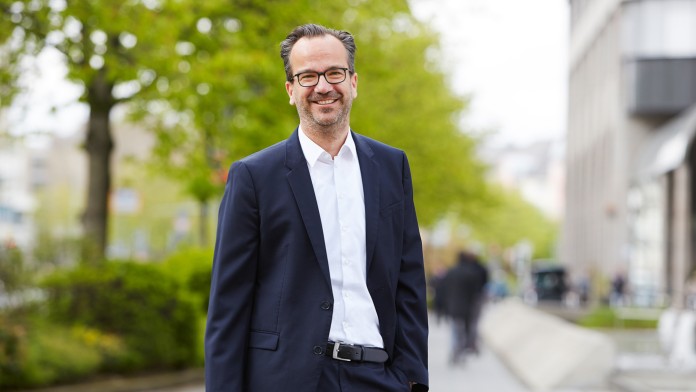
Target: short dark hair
[[314, 30], [466, 256]]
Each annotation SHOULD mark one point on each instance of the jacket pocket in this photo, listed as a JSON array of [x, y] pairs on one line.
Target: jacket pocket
[[263, 340]]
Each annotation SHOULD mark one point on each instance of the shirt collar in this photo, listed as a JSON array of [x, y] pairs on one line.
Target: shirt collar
[[313, 152]]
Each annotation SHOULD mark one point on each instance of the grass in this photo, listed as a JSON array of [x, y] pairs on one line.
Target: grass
[[607, 317]]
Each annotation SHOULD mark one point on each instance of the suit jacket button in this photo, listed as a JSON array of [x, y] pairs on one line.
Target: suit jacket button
[[326, 305], [318, 350]]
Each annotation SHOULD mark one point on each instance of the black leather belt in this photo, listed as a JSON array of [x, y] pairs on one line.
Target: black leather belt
[[355, 352]]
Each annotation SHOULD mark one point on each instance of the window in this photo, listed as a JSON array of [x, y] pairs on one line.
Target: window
[[660, 29]]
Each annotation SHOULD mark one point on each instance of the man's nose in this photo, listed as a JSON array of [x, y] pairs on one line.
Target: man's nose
[[323, 86]]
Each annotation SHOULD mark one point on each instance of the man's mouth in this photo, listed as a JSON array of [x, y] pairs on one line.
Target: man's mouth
[[326, 101]]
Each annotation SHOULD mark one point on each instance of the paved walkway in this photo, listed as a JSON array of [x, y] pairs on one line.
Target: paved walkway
[[481, 373]]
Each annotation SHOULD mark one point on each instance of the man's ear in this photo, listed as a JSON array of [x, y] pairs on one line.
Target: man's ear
[[288, 88]]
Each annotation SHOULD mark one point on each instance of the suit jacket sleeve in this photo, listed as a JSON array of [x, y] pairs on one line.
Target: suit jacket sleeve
[[411, 340], [231, 291]]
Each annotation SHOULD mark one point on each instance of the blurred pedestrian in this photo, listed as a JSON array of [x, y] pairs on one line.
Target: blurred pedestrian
[[318, 281], [464, 291], [435, 283], [618, 290]]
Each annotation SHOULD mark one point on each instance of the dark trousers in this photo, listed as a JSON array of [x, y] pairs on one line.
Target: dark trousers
[[340, 376]]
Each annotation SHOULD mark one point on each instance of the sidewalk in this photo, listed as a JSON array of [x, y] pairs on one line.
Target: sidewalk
[[641, 366], [481, 373]]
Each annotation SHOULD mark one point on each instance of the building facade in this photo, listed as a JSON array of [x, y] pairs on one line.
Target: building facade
[[629, 157]]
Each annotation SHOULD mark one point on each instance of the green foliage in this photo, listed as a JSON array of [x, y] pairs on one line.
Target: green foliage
[[136, 302], [14, 273], [234, 102], [192, 267], [404, 99], [606, 317], [510, 219], [12, 348], [207, 78], [34, 353]]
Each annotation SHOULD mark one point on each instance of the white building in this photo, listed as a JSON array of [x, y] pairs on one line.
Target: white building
[[630, 161]]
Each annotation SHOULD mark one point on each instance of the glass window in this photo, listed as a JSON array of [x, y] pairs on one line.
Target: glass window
[[660, 28]]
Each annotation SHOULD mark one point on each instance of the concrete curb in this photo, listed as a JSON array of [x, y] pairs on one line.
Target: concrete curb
[[546, 352]]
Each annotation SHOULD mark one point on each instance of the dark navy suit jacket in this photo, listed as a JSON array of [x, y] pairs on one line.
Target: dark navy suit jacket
[[271, 300]]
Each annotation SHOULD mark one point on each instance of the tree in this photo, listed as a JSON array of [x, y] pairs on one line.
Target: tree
[[239, 104], [512, 219], [117, 51], [207, 78]]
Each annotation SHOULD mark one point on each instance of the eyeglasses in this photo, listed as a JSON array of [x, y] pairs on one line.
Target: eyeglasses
[[311, 78]]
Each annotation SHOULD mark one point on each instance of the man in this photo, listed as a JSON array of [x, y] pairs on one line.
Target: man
[[318, 281], [463, 288]]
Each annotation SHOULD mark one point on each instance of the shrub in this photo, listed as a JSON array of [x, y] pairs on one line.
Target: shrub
[[136, 302], [192, 267], [14, 274], [35, 354]]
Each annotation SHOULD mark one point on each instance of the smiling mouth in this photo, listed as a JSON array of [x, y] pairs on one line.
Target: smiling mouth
[[326, 101]]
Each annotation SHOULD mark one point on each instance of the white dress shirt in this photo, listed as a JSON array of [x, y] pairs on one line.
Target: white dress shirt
[[339, 191]]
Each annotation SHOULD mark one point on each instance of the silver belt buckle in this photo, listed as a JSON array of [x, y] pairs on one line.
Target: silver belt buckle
[[335, 353]]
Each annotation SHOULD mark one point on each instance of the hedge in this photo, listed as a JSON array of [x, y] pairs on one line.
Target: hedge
[[135, 302]]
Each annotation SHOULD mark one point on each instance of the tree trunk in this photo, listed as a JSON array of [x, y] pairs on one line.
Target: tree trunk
[[99, 145]]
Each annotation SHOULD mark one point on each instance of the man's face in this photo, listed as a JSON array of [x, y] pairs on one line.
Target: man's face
[[324, 105]]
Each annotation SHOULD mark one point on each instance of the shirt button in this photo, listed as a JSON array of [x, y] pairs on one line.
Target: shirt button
[[326, 305], [318, 350]]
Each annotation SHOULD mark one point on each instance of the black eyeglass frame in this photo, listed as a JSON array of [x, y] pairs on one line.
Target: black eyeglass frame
[[320, 74]]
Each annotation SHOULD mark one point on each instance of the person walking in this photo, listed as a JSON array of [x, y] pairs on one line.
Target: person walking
[[318, 281], [464, 290]]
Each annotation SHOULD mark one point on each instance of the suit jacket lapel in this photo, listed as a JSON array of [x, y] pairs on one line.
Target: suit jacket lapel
[[301, 185], [369, 170]]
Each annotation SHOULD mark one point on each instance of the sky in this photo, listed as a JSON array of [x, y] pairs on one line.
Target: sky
[[509, 56], [51, 103]]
